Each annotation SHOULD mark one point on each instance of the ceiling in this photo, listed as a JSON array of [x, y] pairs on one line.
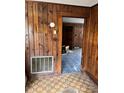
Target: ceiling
[[86, 3], [73, 20]]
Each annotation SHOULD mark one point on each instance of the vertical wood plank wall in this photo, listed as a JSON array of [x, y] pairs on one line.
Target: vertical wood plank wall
[[77, 34], [90, 42], [39, 37]]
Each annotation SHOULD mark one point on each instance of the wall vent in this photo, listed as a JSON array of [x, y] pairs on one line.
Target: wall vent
[[41, 64]]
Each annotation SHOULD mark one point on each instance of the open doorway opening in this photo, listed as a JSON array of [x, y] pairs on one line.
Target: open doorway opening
[[72, 39]]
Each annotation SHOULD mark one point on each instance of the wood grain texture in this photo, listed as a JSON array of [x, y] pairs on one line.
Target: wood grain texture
[[77, 34], [54, 48], [27, 53], [59, 64], [40, 36], [40, 32], [90, 54], [50, 34], [35, 30]]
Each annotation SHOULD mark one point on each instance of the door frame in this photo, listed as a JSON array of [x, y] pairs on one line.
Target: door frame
[[59, 62]]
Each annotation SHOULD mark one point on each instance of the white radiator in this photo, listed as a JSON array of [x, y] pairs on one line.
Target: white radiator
[[41, 64]]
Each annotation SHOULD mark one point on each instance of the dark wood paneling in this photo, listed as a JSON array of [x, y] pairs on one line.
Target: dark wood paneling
[[40, 32], [40, 39], [27, 47], [35, 28], [30, 34], [67, 36], [90, 54], [76, 34]]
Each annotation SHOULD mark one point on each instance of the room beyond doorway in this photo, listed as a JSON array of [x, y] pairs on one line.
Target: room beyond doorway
[[72, 37]]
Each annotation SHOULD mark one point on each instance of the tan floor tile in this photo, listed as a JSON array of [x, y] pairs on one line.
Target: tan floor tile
[[35, 86], [53, 90], [39, 89], [55, 84], [30, 90]]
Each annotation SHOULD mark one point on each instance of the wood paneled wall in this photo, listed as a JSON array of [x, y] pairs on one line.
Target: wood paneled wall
[[77, 34], [39, 38], [90, 42]]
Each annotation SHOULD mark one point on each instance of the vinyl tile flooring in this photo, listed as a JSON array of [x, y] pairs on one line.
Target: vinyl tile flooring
[[57, 83], [71, 61]]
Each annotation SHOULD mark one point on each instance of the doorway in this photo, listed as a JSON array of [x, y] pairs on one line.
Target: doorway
[[72, 39]]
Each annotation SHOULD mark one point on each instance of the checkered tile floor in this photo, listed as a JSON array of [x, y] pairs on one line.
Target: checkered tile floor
[[57, 83]]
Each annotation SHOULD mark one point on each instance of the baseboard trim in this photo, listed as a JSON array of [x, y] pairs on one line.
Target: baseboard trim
[[92, 77]]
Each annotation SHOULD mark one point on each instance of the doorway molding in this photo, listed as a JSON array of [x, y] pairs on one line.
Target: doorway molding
[[59, 16]]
